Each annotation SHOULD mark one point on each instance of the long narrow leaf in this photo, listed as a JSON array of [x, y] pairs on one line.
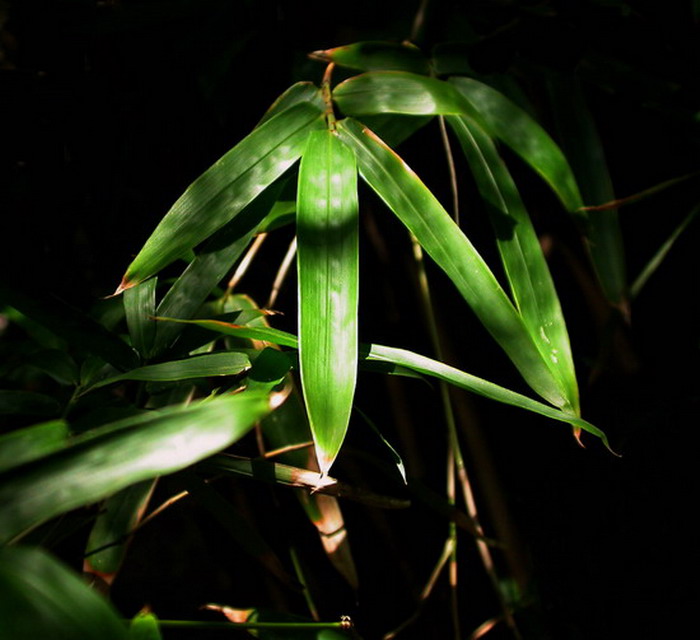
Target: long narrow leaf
[[420, 364], [516, 128], [42, 598], [525, 266], [424, 216], [139, 308], [376, 55], [118, 455], [202, 366], [222, 191], [328, 272], [209, 266], [581, 142], [30, 443]]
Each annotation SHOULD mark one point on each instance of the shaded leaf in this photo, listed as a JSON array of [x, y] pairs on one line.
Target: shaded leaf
[[115, 456], [42, 598], [376, 55], [27, 403], [139, 308], [328, 274]]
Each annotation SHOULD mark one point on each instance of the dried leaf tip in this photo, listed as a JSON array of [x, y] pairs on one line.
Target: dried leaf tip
[[123, 286]]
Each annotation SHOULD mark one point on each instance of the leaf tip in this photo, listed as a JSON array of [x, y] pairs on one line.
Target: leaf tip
[[123, 286]]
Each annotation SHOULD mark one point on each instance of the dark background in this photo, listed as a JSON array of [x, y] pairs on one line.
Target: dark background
[[110, 109]]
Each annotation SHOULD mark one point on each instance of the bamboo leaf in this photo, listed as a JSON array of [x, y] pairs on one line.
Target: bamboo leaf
[[28, 403], [298, 93], [225, 189], [106, 546], [144, 626], [209, 266], [77, 328], [139, 308], [30, 443], [401, 93], [438, 234], [328, 271], [581, 142], [525, 266], [115, 456], [422, 365], [42, 598], [376, 55], [202, 366], [516, 128]]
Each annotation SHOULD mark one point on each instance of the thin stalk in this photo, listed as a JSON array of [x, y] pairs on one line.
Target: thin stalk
[[311, 605], [244, 264], [282, 272], [344, 624], [451, 168], [419, 21]]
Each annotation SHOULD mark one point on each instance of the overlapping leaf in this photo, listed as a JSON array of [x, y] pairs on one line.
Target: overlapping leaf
[[328, 272], [115, 456], [222, 191], [424, 216], [526, 269]]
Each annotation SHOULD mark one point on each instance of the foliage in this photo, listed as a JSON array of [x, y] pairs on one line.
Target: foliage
[[160, 389]]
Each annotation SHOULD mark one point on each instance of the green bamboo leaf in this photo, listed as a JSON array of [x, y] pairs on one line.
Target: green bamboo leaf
[[582, 145], [328, 272], [107, 544], [201, 366], [438, 234], [395, 128], [27, 403], [139, 308], [77, 328], [376, 55], [512, 125], [56, 363], [115, 456], [42, 598], [209, 266], [525, 266], [144, 626], [422, 365], [399, 92], [225, 189], [30, 443], [298, 93]]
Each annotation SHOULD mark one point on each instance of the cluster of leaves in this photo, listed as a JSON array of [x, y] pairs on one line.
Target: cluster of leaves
[[187, 369]]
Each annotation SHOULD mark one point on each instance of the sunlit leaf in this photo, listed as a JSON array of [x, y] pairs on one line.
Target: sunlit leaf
[[439, 235], [115, 456], [423, 365], [328, 272], [144, 626], [526, 269], [226, 188], [42, 598], [298, 93], [512, 125], [202, 366]]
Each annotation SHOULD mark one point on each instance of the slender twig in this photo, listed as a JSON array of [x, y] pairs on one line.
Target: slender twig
[[451, 168], [419, 21], [244, 264], [282, 273]]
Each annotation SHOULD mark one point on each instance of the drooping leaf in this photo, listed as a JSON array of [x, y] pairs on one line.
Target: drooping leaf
[[515, 127], [201, 366], [525, 266], [584, 149], [42, 598], [328, 273], [115, 456], [107, 544], [420, 364], [139, 308], [439, 235], [30, 443], [376, 55], [226, 188]]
